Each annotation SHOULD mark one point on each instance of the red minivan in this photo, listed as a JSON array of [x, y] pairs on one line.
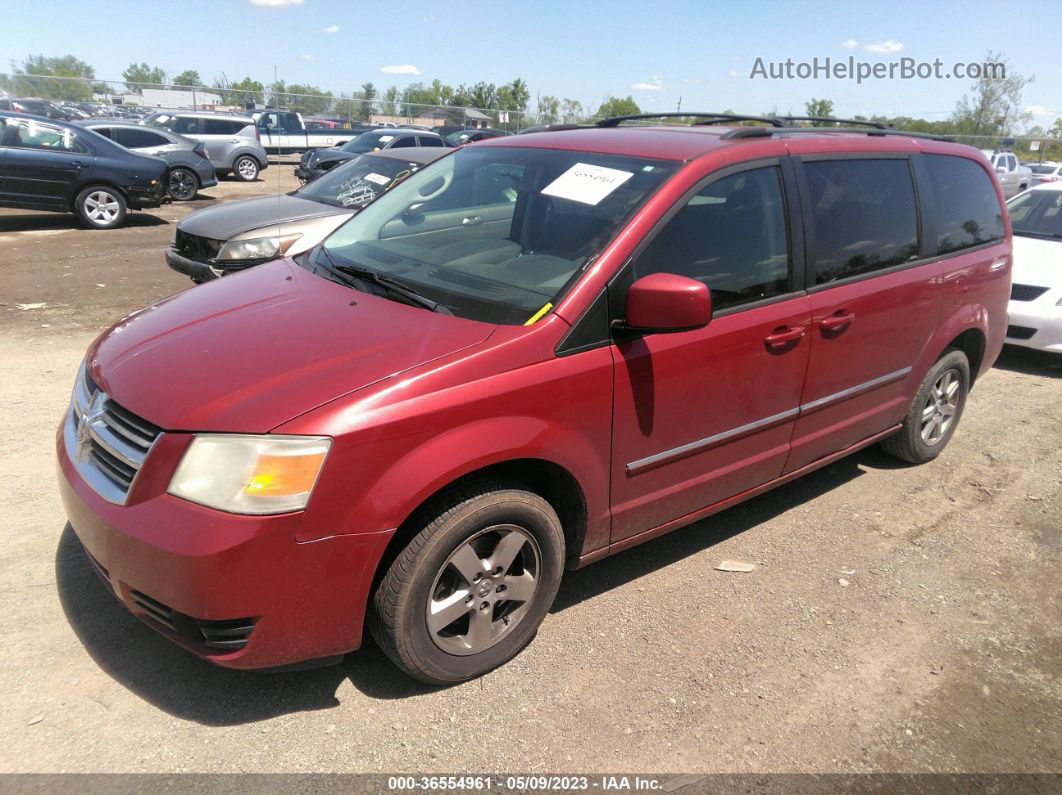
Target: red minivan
[[533, 353]]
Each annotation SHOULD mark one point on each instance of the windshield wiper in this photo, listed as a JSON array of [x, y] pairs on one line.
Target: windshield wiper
[[386, 282]]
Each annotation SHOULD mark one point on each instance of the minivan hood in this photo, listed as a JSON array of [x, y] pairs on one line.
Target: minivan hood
[[233, 218], [249, 352]]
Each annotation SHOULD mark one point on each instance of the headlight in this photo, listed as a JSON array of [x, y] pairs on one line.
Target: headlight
[[250, 474], [259, 248]]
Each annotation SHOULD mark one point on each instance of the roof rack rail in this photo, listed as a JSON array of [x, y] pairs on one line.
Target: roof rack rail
[[712, 118], [851, 122], [764, 132]]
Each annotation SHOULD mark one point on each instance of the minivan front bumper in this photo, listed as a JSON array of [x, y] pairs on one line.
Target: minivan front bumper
[[239, 591]]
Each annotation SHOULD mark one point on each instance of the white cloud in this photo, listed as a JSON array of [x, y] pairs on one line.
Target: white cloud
[[849, 44], [656, 84], [276, 3], [401, 69], [885, 47], [1039, 110], [331, 29], [693, 80], [735, 73], [307, 58], [428, 19]]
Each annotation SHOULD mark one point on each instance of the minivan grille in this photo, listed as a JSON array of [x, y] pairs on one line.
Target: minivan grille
[[227, 635], [107, 442], [196, 248], [1026, 292]]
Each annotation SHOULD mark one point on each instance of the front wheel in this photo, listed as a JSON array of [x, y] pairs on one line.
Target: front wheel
[[182, 184], [245, 168], [101, 207], [934, 412], [470, 590]]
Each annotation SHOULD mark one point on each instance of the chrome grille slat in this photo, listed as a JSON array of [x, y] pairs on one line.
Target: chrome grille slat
[[111, 450]]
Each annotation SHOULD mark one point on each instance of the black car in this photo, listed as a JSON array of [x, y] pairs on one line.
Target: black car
[[461, 137], [316, 162], [39, 107], [50, 165]]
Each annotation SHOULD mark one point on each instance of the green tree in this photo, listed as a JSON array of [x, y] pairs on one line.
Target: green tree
[[31, 78], [993, 104], [818, 107], [308, 99], [514, 96], [138, 76], [617, 106], [482, 95], [548, 111], [390, 103], [189, 77], [240, 92], [572, 111]]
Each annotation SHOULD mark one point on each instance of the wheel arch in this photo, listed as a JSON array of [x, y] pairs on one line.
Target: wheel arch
[[548, 479]]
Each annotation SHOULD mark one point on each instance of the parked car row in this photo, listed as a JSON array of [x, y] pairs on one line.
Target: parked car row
[[67, 110], [483, 374]]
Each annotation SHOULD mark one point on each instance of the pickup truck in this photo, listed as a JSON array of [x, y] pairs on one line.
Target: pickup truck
[[285, 132], [1014, 178]]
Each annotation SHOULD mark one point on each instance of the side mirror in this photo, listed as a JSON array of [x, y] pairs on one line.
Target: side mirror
[[662, 303], [1001, 169]]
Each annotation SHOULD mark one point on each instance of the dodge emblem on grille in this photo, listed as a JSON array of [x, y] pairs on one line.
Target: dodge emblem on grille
[[88, 416]]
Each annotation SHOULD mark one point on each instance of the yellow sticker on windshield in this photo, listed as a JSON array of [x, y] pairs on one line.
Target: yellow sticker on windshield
[[538, 315]]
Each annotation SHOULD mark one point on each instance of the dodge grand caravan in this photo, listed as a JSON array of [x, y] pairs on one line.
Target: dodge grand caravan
[[531, 354]]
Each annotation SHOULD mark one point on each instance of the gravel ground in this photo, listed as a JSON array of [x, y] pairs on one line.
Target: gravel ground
[[899, 618]]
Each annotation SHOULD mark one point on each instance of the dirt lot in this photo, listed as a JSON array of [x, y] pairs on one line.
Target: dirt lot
[[900, 619]]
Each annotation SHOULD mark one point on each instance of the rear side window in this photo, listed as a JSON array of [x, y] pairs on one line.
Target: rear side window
[[863, 216], [185, 125], [731, 236], [221, 127], [427, 140], [404, 142], [967, 212], [139, 139]]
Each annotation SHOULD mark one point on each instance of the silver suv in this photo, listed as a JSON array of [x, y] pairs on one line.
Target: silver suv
[[232, 142]]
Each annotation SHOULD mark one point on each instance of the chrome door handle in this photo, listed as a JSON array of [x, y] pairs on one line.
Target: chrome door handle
[[470, 220]]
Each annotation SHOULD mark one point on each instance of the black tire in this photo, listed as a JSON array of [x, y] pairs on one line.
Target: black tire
[[245, 168], [911, 443], [398, 617], [101, 207], [182, 184]]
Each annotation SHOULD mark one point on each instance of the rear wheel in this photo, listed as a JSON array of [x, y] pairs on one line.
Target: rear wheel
[[101, 207], [470, 590], [245, 168], [182, 184], [934, 412]]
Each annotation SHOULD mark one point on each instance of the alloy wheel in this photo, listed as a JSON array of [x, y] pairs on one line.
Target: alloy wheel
[[102, 207], [247, 168], [940, 407], [483, 590]]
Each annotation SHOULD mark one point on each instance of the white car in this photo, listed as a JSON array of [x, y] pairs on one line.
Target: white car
[[1035, 310]]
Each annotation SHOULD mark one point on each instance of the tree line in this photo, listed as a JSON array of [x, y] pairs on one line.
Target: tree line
[[992, 108]]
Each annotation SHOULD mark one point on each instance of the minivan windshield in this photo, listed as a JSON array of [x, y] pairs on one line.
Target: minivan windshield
[[495, 233], [1037, 213], [357, 182]]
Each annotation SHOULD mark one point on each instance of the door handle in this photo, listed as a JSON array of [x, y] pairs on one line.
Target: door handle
[[837, 321], [470, 220], [76, 163], [784, 335]]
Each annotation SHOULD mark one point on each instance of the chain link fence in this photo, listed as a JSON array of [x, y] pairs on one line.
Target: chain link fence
[[351, 109]]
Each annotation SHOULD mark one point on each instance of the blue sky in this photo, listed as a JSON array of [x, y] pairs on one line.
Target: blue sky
[[583, 49]]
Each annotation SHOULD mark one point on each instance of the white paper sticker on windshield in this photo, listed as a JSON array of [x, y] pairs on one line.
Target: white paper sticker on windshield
[[586, 183], [385, 138], [379, 179]]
